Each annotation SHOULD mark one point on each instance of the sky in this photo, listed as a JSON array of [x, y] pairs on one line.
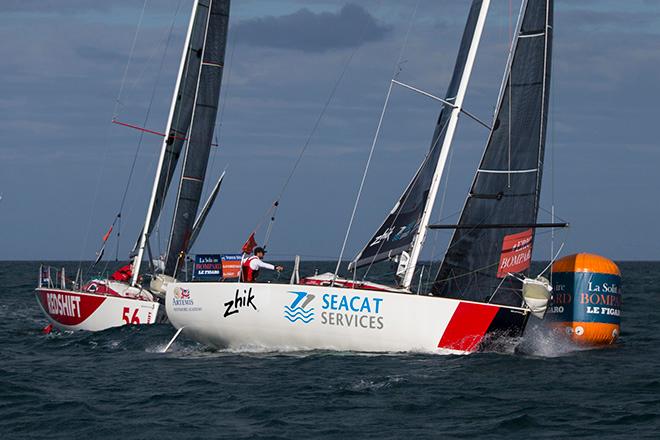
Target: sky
[[69, 66]]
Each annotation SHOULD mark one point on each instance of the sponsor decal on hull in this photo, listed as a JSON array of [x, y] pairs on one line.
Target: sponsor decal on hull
[[337, 310], [182, 302], [299, 309], [240, 301], [352, 311]]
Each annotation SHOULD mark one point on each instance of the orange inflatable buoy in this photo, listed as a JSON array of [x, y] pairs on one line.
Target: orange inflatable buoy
[[586, 299]]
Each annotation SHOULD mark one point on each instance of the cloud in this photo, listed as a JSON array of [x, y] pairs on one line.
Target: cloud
[[56, 6], [304, 30]]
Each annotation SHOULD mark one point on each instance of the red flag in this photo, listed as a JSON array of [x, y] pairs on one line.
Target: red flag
[[250, 244], [107, 234]]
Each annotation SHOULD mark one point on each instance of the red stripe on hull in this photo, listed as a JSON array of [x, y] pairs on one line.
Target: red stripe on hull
[[467, 326], [69, 308]]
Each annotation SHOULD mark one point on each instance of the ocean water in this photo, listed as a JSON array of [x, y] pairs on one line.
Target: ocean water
[[117, 384]]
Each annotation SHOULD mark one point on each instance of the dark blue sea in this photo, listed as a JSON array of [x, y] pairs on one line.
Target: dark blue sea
[[118, 385]]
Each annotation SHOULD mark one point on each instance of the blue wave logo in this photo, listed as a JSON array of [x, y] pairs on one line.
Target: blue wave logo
[[299, 310]]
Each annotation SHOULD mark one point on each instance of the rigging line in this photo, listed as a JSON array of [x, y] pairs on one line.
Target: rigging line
[[552, 213], [107, 146], [130, 58], [544, 116], [552, 261], [318, 122], [405, 200], [395, 73], [553, 137], [442, 207], [444, 101], [453, 214], [139, 77], [364, 177], [463, 275]]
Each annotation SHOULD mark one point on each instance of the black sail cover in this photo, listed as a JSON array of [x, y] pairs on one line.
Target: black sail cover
[[214, 16], [399, 229], [507, 184]]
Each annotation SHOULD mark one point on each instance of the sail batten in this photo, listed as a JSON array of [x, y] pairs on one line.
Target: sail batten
[[507, 184]]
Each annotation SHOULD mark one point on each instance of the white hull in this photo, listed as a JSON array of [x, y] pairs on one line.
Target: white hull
[[303, 317], [72, 310]]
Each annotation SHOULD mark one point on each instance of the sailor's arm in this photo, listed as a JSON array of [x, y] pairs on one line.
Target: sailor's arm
[[257, 264]]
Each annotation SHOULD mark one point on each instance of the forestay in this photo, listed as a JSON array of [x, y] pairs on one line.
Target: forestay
[[507, 184], [398, 231], [213, 16]]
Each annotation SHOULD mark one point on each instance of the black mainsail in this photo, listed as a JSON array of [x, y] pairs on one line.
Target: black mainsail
[[180, 114], [507, 184], [191, 119], [397, 233], [200, 133]]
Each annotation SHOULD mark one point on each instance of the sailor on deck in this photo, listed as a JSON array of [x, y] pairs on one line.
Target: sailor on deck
[[251, 266]]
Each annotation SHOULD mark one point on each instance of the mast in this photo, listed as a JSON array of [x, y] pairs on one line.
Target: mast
[[420, 237], [137, 260]]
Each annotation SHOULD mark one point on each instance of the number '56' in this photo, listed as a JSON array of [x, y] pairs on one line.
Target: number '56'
[[135, 319]]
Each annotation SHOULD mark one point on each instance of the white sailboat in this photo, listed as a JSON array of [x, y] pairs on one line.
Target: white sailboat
[[479, 292], [122, 299]]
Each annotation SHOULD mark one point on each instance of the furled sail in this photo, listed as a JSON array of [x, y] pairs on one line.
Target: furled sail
[[214, 18], [507, 185], [395, 236]]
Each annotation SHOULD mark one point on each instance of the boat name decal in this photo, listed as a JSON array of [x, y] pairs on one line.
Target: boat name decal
[[240, 301], [63, 305], [336, 310], [352, 311]]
